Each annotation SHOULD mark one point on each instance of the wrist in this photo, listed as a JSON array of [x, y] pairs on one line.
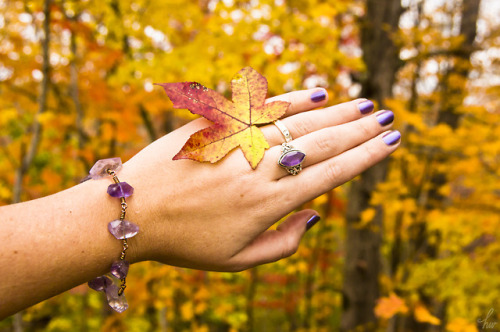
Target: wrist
[[139, 212], [121, 228]]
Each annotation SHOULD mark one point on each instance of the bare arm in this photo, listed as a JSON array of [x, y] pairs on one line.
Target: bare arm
[[52, 244]]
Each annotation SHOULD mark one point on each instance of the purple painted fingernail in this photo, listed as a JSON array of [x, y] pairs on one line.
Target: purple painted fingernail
[[312, 221], [392, 137], [365, 107], [318, 96], [385, 117]]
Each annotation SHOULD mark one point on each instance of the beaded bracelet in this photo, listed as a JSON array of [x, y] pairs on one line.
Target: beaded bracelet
[[121, 229]]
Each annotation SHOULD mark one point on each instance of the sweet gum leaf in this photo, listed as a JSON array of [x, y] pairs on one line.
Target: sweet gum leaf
[[234, 122]]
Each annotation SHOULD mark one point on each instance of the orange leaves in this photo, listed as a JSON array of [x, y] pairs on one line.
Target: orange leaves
[[389, 306], [423, 315], [234, 123]]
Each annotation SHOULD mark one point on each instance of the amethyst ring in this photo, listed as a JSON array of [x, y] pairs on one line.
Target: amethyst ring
[[291, 158]]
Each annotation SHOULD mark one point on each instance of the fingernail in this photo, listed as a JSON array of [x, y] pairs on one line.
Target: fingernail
[[391, 137], [312, 221], [318, 96], [365, 107], [385, 117]]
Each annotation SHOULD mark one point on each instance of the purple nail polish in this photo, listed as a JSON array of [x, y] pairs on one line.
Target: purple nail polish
[[385, 118], [392, 137], [318, 96], [365, 107], [312, 221]]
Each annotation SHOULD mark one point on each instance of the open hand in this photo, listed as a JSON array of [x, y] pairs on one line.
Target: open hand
[[217, 216]]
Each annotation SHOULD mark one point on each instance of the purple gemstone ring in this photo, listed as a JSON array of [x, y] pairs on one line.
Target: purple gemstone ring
[[291, 159]]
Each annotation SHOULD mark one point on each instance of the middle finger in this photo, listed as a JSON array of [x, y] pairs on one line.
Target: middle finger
[[307, 122]]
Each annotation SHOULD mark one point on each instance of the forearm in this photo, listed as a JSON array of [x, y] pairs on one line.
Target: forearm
[[52, 244]]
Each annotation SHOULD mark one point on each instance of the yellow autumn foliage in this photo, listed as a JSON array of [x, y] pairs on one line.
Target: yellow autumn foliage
[[439, 201]]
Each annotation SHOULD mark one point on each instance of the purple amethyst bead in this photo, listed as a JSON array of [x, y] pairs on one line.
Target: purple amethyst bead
[[122, 189], [99, 170], [122, 229], [100, 283], [120, 269], [292, 158], [118, 303]]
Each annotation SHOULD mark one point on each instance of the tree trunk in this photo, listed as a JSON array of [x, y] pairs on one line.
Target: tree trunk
[[250, 299], [452, 97], [452, 93], [362, 262]]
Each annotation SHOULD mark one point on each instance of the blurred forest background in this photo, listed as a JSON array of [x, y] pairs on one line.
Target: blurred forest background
[[411, 245]]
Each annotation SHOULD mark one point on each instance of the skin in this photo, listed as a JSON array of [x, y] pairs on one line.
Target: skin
[[197, 215]]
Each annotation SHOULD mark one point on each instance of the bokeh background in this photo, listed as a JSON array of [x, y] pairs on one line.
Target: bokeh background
[[411, 245]]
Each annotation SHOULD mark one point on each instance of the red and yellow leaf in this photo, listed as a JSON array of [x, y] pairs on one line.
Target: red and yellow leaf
[[234, 122]]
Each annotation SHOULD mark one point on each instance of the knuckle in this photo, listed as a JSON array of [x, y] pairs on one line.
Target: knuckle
[[370, 154], [364, 128], [302, 127], [333, 173], [291, 97], [290, 245], [324, 144]]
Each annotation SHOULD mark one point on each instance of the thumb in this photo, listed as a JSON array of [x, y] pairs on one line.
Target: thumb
[[273, 245]]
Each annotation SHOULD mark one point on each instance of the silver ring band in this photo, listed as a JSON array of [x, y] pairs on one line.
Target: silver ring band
[[284, 131], [291, 158]]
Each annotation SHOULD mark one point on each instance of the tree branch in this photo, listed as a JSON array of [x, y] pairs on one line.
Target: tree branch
[[147, 123], [27, 159]]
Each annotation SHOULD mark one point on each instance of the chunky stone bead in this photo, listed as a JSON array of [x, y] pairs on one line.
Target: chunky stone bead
[[99, 170], [115, 301], [120, 269], [122, 229], [121, 189], [100, 283]]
